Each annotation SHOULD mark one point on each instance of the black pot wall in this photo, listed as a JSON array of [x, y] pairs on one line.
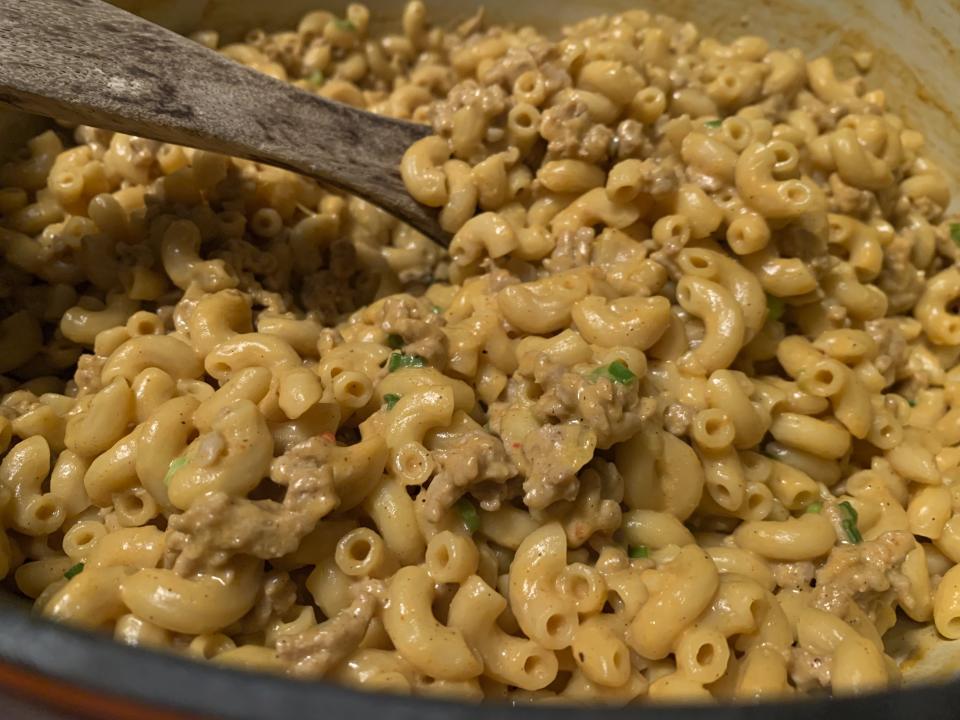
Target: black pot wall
[[163, 681]]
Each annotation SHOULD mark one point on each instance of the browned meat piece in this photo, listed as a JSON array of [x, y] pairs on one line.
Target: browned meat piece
[[479, 459], [612, 410], [554, 455], [853, 570], [562, 126], [472, 98], [505, 70], [793, 575], [217, 527], [314, 652], [304, 461], [418, 326], [851, 574], [573, 250], [811, 247], [900, 281], [491, 101], [322, 477], [20, 402], [659, 175], [87, 376], [578, 414], [277, 595], [597, 507], [491, 496], [570, 133], [677, 418], [848, 200], [893, 347], [630, 140], [596, 144]]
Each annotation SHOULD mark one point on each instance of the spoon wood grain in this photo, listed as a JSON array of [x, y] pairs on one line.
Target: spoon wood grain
[[89, 62]]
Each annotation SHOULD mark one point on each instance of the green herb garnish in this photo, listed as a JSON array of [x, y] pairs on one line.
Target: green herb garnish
[[853, 533], [638, 551], [848, 510], [616, 371], [468, 513], [713, 123], [775, 307], [74, 571], [345, 25], [814, 507], [390, 399], [172, 468], [436, 309], [955, 232], [316, 77], [849, 522], [400, 360], [912, 403], [394, 341]]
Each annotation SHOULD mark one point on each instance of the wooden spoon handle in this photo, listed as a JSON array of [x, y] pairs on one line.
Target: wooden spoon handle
[[86, 61]]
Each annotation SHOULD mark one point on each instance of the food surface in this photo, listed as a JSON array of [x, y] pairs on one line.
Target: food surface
[[676, 417]]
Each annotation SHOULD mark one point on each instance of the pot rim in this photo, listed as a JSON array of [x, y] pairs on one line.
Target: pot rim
[[166, 683]]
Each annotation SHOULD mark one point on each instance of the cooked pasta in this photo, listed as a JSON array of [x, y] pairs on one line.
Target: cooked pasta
[[676, 417]]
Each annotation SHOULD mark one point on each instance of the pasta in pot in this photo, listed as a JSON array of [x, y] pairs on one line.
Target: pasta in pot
[[677, 417]]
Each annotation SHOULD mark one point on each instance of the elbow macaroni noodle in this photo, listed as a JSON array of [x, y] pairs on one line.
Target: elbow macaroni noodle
[[676, 418]]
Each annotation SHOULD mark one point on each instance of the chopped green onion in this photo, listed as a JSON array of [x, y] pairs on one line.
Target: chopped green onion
[[345, 25], [74, 571], [853, 533], [638, 551], [912, 403], [848, 510], [390, 399], [849, 522], [616, 371], [316, 77], [621, 373], [775, 307], [172, 468], [955, 232], [394, 341], [436, 309], [468, 513], [713, 123], [400, 360], [814, 507]]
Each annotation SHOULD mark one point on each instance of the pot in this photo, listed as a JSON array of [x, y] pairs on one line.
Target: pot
[[53, 672]]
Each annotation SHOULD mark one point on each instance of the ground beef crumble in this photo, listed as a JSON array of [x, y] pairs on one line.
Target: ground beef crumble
[[478, 460], [312, 653]]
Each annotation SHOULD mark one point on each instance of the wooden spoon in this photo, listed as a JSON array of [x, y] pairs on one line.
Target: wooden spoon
[[86, 61]]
